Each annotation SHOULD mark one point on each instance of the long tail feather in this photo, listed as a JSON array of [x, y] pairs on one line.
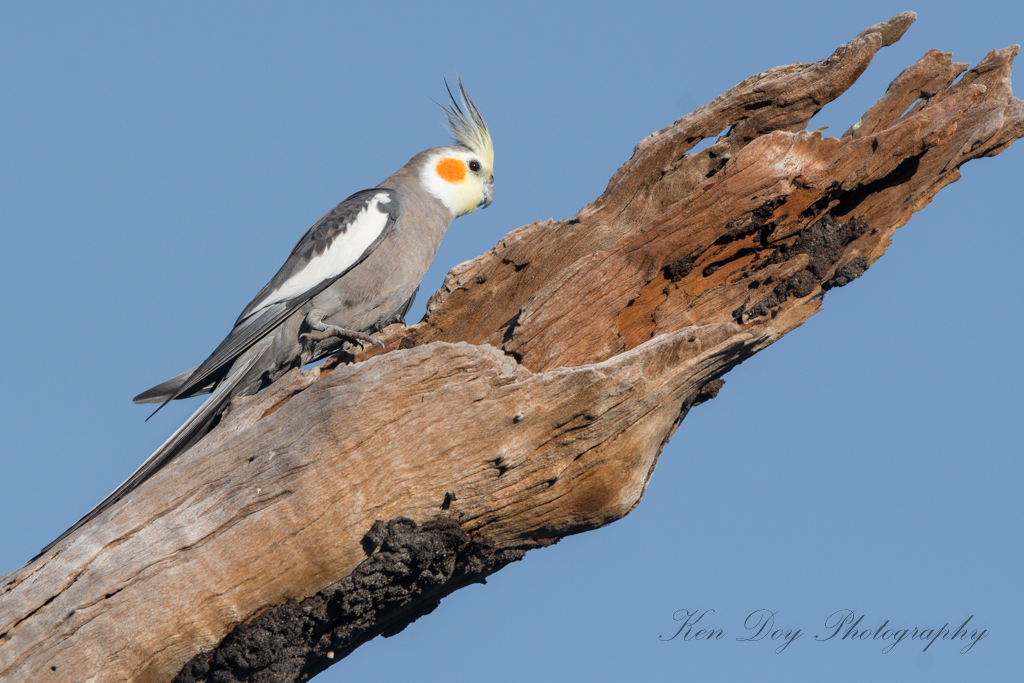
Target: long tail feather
[[184, 437]]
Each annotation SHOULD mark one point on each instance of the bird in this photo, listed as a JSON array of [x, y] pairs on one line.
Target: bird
[[355, 271]]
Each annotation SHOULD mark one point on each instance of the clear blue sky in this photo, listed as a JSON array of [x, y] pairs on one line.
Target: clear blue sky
[[158, 163]]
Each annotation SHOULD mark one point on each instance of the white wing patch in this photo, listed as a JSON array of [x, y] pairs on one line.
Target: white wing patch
[[343, 252]]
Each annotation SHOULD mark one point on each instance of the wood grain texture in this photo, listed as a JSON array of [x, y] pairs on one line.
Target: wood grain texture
[[531, 403]]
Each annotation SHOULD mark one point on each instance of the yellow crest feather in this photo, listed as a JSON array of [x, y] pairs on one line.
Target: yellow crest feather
[[469, 127]]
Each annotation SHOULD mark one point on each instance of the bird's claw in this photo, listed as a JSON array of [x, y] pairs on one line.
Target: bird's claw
[[321, 331]]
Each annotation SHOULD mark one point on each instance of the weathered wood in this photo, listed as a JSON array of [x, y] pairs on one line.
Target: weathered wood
[[531, 403]]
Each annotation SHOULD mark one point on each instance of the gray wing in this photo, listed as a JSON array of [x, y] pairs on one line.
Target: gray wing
[[160, 392], [338, 242]]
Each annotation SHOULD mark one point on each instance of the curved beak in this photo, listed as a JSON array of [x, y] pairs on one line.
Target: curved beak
[[488, 196]]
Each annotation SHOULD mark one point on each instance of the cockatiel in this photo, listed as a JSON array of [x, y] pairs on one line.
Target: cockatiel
[[354, 272]]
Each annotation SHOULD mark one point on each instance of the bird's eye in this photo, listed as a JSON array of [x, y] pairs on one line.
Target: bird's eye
[[474, 165]]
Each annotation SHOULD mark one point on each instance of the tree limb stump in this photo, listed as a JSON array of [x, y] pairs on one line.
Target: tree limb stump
[[531, 403]]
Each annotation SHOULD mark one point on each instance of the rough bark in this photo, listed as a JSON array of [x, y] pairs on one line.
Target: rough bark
[[531, 403]]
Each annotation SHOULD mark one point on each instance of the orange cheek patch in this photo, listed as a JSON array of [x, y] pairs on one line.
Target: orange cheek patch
[[452, 170]]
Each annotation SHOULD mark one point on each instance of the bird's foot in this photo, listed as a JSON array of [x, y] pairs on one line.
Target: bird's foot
[[321, 331]]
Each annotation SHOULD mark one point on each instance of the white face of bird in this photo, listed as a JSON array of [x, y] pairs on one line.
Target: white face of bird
[[462, 179]]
